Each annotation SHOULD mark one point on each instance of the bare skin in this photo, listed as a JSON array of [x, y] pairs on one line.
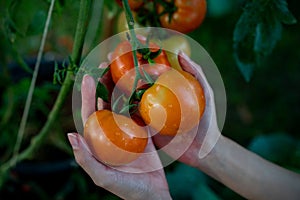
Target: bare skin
[[221, 158]]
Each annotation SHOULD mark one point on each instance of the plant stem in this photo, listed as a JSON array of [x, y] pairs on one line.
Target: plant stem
[[134, 42], [36, 141], [31, 89]]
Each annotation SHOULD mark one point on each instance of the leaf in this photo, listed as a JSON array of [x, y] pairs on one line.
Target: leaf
[[186, 182], [268, 33], [257, 32], [38, 23], [243, 39], [101, 92], [283, 13], [276, 147], [23, 12], [59, 73], [203, 191]]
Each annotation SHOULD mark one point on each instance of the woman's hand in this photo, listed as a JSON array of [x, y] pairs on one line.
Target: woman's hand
[[191, 147], [144, 178]]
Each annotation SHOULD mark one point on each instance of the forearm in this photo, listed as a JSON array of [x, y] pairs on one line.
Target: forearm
[[248, 174]]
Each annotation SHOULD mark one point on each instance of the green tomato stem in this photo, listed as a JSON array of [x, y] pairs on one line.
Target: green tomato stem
[[135, 43]]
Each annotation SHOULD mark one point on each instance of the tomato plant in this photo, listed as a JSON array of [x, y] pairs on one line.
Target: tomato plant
[[122, 66], [182, 16], [174, 104], [123, 26], [114, 139]]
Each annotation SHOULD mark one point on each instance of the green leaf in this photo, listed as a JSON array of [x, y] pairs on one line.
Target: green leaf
[[276, 147], [283, 13], [268, 33], [22, 14], [186, 182], [203, 191], [102, 92], [243, 41], [257, 32], [38, 23]]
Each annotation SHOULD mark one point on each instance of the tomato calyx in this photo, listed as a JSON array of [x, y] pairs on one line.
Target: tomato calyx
[[169, 8], [123, 105], [149, 55]]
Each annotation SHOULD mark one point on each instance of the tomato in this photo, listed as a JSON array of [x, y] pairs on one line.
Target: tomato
[[172, 46], [122, 66], [114, 139], [133, 4], [174, 104], [189, 14]]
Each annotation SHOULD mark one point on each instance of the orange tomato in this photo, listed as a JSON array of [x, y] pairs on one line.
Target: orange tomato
[[114, 139], [174, 104], [188, 16]]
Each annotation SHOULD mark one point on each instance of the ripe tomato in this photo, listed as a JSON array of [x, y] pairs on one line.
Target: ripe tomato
[[122, 66], [172, 46], [187, 17], [114, 139], [174, 104], [133, 4]]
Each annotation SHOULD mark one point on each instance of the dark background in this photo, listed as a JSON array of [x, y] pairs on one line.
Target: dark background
[[262, 115]]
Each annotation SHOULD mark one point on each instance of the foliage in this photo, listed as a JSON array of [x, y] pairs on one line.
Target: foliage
[[183, 177], [257, 32], [262, 115]]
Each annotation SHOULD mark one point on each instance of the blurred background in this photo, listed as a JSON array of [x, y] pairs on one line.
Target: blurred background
[[262, 114]]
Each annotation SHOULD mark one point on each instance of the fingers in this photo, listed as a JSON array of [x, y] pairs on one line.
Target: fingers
[[84, 157], [193, 68], [88, 91]]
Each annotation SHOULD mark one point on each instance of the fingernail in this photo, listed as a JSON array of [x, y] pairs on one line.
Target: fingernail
[[84, 144], [103, 65], [73, 140], [87, 79]]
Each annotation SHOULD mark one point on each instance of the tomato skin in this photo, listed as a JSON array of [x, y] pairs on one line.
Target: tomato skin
[[133, 4], [188, 16], [172, 46], [174, 104], [122, 66], [114, 139]]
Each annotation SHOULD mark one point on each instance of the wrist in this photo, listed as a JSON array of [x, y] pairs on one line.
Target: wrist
[[163, 195], [209, 156]]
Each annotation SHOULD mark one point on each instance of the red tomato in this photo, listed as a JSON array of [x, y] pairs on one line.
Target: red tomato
[[122, 66], [133, 4], [114, 139], [174, 104], [188, 16]]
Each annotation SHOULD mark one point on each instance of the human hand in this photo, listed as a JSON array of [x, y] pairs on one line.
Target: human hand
[[143, 178], [191, 147]]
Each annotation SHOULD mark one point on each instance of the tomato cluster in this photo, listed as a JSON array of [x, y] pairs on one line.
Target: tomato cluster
[[180, 15], [172, 104], [122, 66]]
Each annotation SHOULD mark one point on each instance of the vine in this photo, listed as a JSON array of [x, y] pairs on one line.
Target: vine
[[36, 141]]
